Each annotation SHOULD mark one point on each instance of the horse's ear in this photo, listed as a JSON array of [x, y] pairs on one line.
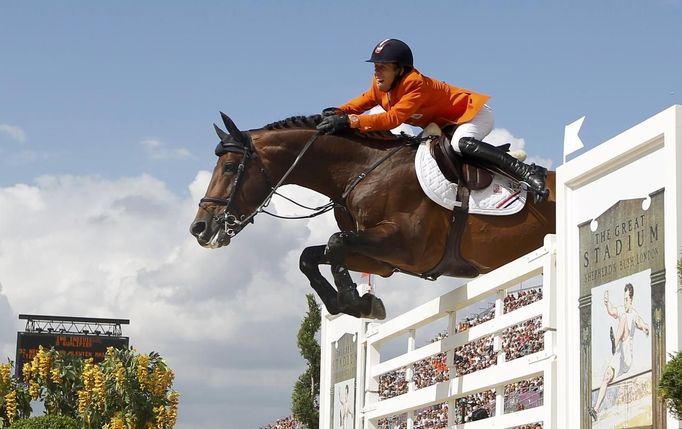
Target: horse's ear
[[222, 135], [232, 128]]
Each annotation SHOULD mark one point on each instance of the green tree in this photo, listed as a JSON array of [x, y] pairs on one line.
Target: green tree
[[305, 397], [670, 386]]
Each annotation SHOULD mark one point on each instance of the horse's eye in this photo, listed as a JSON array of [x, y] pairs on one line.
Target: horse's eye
[[229, 168]]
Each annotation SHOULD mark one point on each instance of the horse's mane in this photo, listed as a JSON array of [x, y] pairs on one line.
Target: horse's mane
[[310, 122]]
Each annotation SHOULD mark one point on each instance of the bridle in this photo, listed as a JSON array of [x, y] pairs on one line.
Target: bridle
[[240, 142], [233, 220]]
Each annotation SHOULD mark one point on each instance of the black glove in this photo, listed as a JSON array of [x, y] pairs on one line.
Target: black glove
[[333, 124], [329, 111]]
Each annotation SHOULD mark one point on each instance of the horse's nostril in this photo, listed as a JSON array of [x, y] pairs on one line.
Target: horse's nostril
[[197, 228]]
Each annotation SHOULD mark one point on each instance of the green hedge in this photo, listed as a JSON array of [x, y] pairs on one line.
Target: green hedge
[[46, 422]]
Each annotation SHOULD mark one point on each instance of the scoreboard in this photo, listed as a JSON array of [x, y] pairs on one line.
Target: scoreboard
[[84, 346]]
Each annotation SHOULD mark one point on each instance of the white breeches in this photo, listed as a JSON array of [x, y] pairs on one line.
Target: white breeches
[[480, 126]]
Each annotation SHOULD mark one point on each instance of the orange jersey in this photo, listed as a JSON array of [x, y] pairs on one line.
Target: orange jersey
[[416, 100]]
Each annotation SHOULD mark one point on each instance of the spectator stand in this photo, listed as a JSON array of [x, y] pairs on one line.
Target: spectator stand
[[473, 365]]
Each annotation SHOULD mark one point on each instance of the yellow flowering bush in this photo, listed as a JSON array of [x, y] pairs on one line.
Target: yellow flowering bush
[[54, 378], [126, 390], [15, 402]]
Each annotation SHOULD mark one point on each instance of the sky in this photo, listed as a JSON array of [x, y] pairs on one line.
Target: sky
[[106, 146]]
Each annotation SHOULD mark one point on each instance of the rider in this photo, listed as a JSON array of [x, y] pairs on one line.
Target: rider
[[409, 97]]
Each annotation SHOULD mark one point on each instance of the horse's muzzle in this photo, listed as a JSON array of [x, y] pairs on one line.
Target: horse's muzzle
[[209, 234]]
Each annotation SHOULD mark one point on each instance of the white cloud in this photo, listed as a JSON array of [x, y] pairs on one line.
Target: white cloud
[[500, 136], [545, 162], [89, 246], [13, 132], [158, 150], [226, 319]]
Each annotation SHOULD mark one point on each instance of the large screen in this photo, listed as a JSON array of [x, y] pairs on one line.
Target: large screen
[[85, 346]]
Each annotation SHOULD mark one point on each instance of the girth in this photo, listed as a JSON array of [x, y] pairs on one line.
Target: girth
[[452, 263]]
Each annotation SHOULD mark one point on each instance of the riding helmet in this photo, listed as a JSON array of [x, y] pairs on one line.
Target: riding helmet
[[392, 51]]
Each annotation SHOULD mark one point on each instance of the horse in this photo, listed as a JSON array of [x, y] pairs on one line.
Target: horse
[[386, 222]]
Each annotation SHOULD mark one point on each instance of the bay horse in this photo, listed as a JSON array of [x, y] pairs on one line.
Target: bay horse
[[387, 224]]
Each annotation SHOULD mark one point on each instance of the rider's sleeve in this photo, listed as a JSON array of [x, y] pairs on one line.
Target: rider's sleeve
[[407, 105], [362, 103]]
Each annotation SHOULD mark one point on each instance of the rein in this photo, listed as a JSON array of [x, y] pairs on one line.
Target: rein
[[358, 179], [234, 224]]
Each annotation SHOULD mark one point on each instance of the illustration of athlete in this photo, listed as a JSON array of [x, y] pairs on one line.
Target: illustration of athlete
[[621, 342]]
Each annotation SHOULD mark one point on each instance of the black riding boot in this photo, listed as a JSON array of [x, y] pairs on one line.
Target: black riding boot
[[533, 175]]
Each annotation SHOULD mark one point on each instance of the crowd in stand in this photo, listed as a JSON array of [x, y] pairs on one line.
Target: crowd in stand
[[474, 407], [285, 423], [521, 298], [474, 356], [523, 394], [433, 417], [517, 341], [522, 339]]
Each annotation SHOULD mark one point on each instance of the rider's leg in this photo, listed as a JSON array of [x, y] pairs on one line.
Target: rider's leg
[[478, 127], [467, 140], [533, 175]]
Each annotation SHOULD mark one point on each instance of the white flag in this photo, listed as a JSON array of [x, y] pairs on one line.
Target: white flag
[[572, 141]]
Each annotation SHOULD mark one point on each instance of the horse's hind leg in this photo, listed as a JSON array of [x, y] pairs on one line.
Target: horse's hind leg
[[309, 263]]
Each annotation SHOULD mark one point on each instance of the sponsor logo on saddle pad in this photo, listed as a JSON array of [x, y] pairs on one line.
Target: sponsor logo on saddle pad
[[502, 197]]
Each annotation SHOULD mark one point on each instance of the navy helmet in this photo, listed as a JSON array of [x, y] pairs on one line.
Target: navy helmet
[[392, 51]]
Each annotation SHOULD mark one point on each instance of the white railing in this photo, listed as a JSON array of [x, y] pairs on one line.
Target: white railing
[[540, 263]]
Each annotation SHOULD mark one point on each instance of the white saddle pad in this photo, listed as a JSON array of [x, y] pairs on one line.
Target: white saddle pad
[[502, 197]]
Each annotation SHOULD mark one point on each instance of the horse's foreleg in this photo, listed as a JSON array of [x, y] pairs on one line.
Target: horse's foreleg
[[365, 244], [309, 263]]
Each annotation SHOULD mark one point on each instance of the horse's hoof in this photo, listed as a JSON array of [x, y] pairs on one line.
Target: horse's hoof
[[376, 307], [349, 302]]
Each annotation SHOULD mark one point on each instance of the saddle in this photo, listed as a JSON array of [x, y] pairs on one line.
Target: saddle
[[454, 168]]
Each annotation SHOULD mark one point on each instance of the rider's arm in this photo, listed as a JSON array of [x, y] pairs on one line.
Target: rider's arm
[[399, 113]]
